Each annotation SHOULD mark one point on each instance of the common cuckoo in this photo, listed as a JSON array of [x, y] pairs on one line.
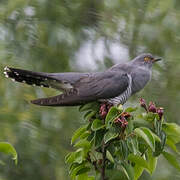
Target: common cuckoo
[[115, 85]]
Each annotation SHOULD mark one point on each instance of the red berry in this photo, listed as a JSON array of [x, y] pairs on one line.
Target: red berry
[[152, 107], [160, 112], [117, 120], [126, 115], [143, 103]]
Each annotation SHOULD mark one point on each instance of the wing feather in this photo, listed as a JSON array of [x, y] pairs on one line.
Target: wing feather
[[95, 87]]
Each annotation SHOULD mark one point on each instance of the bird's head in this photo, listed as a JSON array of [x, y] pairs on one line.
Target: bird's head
[[145, 59]]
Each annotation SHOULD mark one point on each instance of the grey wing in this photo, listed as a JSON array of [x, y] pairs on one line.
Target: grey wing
[[103, 85]]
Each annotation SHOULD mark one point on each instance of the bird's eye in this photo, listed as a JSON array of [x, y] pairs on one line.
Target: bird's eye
[[147, 58]]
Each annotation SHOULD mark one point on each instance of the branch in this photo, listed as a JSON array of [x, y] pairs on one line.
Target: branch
[[103, 161]]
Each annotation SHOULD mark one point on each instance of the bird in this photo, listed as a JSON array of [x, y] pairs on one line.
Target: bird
[[114, 85]]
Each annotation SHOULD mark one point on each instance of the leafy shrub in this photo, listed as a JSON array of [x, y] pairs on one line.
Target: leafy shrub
[[121, 143]]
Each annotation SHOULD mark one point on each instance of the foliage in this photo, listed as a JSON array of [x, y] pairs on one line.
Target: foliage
[[8, 149], [120, 139], [81, 35]]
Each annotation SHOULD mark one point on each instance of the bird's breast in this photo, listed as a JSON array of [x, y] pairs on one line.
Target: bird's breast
[[140, 78]]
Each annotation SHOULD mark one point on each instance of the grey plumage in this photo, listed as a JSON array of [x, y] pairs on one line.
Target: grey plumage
[[115, 85]]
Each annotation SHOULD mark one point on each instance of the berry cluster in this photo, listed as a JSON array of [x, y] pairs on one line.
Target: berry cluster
[[152, 108], [122, 120], [104, 108]]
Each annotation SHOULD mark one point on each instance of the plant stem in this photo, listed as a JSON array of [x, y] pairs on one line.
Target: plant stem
[[103, 162], [144, 151], [103, 159]]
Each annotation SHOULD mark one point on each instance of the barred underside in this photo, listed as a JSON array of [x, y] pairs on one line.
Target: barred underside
[[122, 98]]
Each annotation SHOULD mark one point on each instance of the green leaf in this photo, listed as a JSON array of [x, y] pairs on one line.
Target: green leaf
[[98, 138], [132, 144], [147, 135], [97, 124], [73, 166], [82, 176], [138, 170], [156, 137], [90, 178], [125, 172], [8, 149], [112, 114], [83, 170], [152, 161], [84, 135], [69, 158], [130, 109], [128, 170], [78, 169], [138, 160], [79, 156], [109, 156], [77, 133], [130, 126], [163, 139], [171, 159], [139, 122], [159, 146], [74, 157], [83, 144], [172, 131], [85, 177], [124, 149], [89, 115], [150, 116], [157, 125], [89, 106], [120, 108], [109, 136], [171, 144]]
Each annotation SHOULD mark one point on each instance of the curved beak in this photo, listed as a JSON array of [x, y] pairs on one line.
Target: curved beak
[[156, 59]]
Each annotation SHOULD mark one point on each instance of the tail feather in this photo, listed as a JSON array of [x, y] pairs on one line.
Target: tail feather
[[51, 101], [31, 78], [60, 81], [60, 100]]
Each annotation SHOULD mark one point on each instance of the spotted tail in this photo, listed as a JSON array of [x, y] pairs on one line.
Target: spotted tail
[[29, 77]]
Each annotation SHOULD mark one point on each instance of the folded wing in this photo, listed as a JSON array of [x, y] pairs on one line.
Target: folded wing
[[94, 87]]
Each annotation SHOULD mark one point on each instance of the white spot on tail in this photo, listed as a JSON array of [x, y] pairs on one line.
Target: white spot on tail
[[5, 73], [24, 81], [6, 69], [34, 84], [13, 80], [17, 74]]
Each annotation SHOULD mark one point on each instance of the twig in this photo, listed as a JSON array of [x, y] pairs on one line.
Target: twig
[[144, 151], [94, 163], [103, 162], [103, 159]]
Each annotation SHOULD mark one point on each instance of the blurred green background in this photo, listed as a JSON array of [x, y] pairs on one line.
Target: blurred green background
[[81, 35]]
